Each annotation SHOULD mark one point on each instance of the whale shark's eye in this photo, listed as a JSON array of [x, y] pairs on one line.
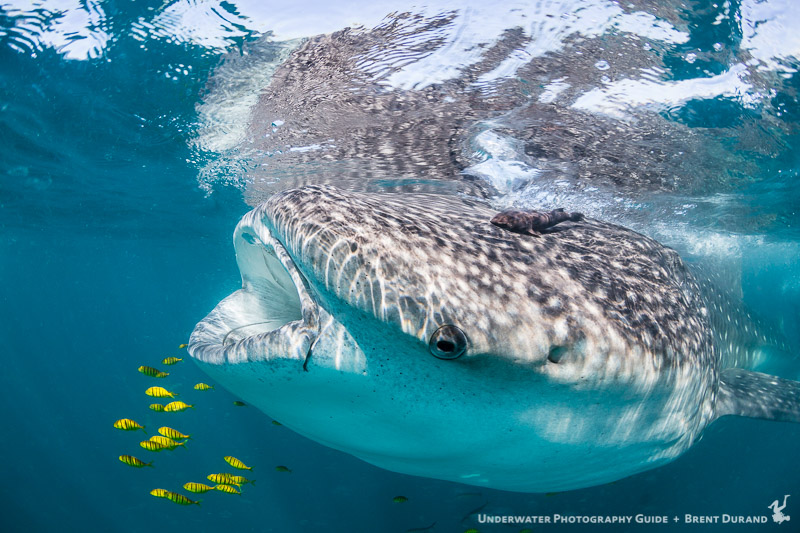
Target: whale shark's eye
[[448, 342]]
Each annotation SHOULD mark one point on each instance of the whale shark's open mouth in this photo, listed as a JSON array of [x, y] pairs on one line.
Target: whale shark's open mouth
[[271, 316]]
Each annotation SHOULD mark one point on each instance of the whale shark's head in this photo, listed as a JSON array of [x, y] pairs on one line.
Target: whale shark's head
[[411, 332]]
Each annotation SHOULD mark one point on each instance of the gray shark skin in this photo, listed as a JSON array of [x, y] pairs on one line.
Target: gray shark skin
[[588, 350]]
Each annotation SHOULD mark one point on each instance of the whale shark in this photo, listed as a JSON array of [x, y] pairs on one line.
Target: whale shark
[[497, 246], [412, 332]]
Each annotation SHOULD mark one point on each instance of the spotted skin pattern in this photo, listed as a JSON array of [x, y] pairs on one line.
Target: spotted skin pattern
[[593, 282]]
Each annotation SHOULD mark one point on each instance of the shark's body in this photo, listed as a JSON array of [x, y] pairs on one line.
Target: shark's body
[[588, 350]]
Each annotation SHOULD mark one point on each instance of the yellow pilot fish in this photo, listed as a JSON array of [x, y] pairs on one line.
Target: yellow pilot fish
[[133, 461], [159, 392], [182, 346], [236, 463], [180, 499], [203, 386], [166, 442], [239, 480], [222, 479], [152, 372], [197, 487], [152, 446], [159, 493], [171, 360], [174, 407], [157, 407], [126, 424], [173, 433], [228, 489]]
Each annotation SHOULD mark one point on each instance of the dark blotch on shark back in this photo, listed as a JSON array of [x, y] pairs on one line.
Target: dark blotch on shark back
[[533, 222]]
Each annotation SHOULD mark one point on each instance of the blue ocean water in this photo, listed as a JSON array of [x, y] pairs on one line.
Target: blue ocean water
[[111, 250]]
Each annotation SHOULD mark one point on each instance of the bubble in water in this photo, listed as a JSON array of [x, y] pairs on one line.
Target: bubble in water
[[39, 183], [601, 65], [717, 47], [690, 57], [20, 170]]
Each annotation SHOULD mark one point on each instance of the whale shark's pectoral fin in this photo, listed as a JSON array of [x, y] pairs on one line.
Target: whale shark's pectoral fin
[[746, 393]]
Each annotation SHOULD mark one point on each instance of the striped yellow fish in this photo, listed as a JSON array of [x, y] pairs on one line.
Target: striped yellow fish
[[159, 493], [171, 360], [203, 386], [236, 463], [126, 424], [152, 372], [240, 480], [152, 446], [180, 499], [174, 407], [157, 407], [229, 489], [197, 487], [159, 392], [133, 461], [173, 433], [222, 479], [166, 442], [182, 346]]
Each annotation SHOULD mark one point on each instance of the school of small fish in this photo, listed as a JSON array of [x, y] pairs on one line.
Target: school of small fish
[[169, 439]]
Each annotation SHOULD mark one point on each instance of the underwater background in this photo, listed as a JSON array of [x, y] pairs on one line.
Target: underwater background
[[115, 240]]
